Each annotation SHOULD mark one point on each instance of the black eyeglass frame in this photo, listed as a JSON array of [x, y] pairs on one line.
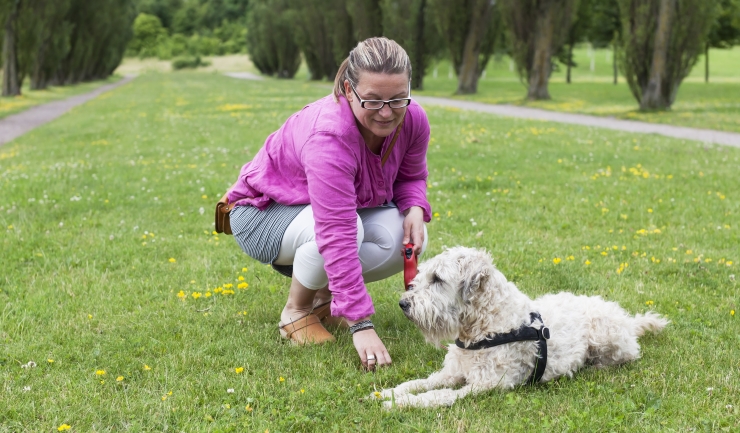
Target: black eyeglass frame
[[363, 101]]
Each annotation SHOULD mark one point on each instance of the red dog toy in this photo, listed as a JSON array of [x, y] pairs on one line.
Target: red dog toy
[[409, 265]]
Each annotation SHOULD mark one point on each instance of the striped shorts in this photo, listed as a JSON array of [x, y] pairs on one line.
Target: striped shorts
[[259, 233]]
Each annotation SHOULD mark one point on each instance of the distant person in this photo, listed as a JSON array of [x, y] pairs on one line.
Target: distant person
[[335, 193]]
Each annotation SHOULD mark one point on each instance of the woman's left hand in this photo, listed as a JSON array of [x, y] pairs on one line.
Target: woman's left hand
[[413, 228]]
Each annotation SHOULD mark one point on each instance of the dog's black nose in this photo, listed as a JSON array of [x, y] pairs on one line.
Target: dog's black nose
[[404, 304]]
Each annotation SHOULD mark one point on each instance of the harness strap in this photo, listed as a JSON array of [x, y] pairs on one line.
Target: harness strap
[[524, 333]]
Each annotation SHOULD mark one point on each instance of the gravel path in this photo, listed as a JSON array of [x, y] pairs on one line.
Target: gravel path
[[704, 135], [16, 125]]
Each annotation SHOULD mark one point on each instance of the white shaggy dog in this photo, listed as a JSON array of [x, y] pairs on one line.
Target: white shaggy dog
[[460, 294]]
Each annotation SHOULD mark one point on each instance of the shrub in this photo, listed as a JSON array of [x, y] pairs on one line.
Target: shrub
[[189, 63]]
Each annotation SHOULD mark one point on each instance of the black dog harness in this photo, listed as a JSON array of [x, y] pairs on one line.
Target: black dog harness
[[524, 333]]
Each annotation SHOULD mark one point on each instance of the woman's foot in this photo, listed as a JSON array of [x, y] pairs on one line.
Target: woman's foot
[[296, 321]]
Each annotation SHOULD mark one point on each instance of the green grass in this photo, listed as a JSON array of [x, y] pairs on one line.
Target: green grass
[[30, 98], [712, 105], [96, 203]]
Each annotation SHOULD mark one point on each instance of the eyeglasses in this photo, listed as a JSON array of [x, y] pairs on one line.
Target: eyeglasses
[[373, 104]]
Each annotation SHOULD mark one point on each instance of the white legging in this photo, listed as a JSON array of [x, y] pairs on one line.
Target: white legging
[[379, 244]]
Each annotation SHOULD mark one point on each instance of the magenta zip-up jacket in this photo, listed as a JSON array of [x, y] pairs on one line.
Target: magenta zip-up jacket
[[319, 157]]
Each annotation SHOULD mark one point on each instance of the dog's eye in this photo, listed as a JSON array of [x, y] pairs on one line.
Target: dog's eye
[[436, 279]]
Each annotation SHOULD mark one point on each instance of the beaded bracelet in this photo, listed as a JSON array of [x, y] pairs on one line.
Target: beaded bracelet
[[361, 326]]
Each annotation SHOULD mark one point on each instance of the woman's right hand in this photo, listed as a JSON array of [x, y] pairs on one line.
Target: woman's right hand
[[369, 346]]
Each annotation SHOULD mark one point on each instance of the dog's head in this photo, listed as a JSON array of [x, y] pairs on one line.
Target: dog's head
[[447, 292]]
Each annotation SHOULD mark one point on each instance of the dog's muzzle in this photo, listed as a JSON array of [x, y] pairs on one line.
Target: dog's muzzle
[[405, 305]]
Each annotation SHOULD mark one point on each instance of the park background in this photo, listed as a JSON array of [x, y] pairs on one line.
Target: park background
[[123, 310]]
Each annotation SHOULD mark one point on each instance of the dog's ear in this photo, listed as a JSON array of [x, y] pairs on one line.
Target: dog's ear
[[475, 271]]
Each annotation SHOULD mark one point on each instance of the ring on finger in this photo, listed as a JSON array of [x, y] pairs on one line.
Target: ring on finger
[[371, 358]]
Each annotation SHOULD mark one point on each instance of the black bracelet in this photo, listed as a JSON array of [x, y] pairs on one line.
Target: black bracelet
[[359, 326]]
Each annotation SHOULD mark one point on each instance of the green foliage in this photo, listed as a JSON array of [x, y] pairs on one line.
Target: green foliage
[[689, 24], [725, 31], [367, 19], [409, 23], [188, 63], [148, 34], [270, 39], [323, 32]]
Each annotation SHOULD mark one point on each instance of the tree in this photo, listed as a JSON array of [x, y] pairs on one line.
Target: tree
[[469, 28], [148, 32], [725, 32], [662, 40], [11, 78], [367, 19], [323, 31], [407, 23], [606, 29], [578, 32], [52, 45], [270, 39], [537, 30]]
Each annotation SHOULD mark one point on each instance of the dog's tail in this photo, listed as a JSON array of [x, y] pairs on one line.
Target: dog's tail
[[649, 321]]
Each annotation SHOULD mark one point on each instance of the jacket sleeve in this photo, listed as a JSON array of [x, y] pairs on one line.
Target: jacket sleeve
[[331, 168], [410, 187]]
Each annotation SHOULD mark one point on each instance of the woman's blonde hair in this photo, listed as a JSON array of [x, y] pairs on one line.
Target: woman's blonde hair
[[378, 55]]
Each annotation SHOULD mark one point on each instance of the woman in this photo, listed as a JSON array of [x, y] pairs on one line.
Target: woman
[[336, 192]]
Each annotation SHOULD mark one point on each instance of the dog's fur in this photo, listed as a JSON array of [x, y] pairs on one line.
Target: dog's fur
[[461, 294]]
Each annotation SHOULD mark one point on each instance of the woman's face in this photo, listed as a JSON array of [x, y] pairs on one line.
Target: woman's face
[[381, 123]]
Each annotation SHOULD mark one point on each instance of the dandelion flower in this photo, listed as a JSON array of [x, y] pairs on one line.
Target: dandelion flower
[[244, 269], [181, 294], [732, 312], [239, 370], [242, 285], [172, 260], [196, 295], [100, 373], [376, 394], [303, 391], [282, 379], [556, 260], [50, 361], [64, 427], [587, 263], [147, 368], [248, 408], [240, 278], [119, 379]]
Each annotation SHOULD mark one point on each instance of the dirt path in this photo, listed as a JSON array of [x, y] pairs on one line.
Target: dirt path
[[16, 125], [704, 135]]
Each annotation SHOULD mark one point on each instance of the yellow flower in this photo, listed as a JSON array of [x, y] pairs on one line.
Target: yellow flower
[[242, 285], [238, 370], [147, 368], [728, 263], [164, 397], [556, 260], [248, 408], [228, 286], [604, 253], [376, 394], [571, 258], [650, 211], [732, 312], [244, 269], [587, 263], [50, 361], [181, 295], [100, 373], [119, 379], [282, 379], [196, 295], [303, 390], [204, 196], [240, 278], [227, 292], [172, 260], [208, 294], [89, 316], [649, 303], [64, 427]]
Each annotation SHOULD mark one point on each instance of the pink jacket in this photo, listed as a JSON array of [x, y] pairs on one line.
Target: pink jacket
[[319, 157]]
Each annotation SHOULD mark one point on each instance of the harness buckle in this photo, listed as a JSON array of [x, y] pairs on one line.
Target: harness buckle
[[544, 333]]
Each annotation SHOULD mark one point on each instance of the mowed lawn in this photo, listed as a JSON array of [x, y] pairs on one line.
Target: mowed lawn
[[122, 310], [713, 105]]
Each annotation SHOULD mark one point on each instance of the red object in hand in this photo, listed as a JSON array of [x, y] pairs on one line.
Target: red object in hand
[[410, 262]]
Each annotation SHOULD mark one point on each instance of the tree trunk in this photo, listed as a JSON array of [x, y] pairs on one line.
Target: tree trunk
[[39, 78], [11, 78], [570, 61], [706, 62], [480, 19], [541, 63], [653, 94], [614, 60], [418, 68]]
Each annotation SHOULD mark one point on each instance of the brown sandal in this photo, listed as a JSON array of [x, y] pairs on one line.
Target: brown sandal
[[323, 312], [306, 330]]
